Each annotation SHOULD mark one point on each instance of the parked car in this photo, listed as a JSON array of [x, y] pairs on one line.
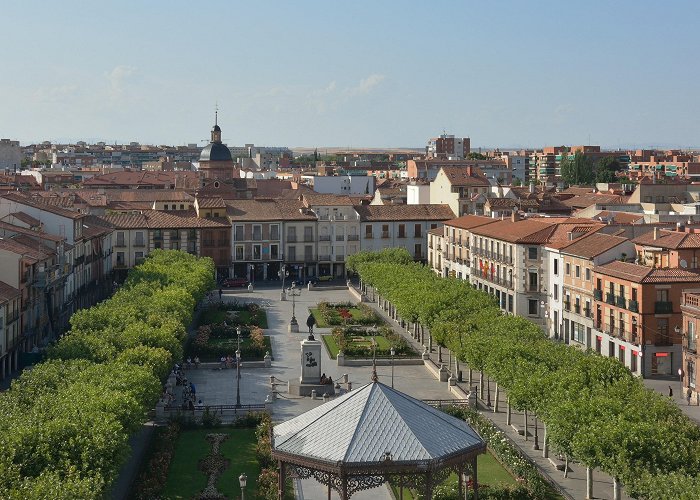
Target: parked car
[[312, 279], [236, 282], [327, 277]]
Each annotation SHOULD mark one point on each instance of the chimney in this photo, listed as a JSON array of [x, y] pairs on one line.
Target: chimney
[[656, 233], [532, 188], [571, 235], [680, 227], [469, 170], [515, 216]]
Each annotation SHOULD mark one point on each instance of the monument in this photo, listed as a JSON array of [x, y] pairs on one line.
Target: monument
[[310, 361]]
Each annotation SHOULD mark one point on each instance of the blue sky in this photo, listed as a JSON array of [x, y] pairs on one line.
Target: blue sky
[[359, 73]]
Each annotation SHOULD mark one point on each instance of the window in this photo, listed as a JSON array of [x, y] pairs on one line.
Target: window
[[633, 361], [532, 281], [239, 252], [578, 271], [621, 354], [274, 231], [634, 294], [274, 252], [291, 254], [182, 206], [532, 253], [555, 293], [433, 226], [588, 274], [611, 349], [622, 291], [402, 231], [139, 240], [417, 231], [308, 253], [417, 251], [120, 239], [257, 232], [368, 231], [239, 234], [385, 230], [556, 267], [120, 259], [578, 332], [291, 234], [510, 303], [308, 233], [257, 252], [567, 269], [532, 307], [138, 256]]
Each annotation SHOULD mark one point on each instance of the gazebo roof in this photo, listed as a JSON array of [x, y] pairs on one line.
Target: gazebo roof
[[364, 424]]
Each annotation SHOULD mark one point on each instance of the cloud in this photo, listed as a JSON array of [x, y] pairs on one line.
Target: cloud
[[366, 85], [55, 94], [117, 80]]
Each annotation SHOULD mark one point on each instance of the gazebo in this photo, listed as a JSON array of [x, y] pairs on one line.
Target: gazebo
[[372, 435]]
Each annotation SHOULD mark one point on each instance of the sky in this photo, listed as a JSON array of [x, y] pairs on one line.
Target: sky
[[360, 73]]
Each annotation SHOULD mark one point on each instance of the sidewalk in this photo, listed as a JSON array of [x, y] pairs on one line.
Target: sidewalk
[[573, 486]]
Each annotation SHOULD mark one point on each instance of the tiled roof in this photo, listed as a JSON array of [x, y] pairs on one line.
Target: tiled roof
[[155, 219], [437, 231], [25, 200], [469, 221], [521, 231], [367, 423], [211, 202], [6, 227], [586, 200], [620, 217], [30, 253], [7, 292], [669, 239], [593, 244], [404, 212], [328, 200], [457, 176], [26, 218], [253, 210], [644, 274], [160, 179]]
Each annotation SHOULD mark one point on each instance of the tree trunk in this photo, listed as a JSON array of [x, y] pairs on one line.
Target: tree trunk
[[616, 489], [525, 417], [545, 441], [508, 411], [495, 403], [481, 385], [589, 483], [566, 466], [470, 378]]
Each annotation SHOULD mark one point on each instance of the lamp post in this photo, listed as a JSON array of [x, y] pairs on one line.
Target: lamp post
[[677, 329], [238, 369], [243, 481], [294, 292], [392, 351]]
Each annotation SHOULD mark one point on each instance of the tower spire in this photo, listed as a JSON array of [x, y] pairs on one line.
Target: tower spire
[[216, 113]]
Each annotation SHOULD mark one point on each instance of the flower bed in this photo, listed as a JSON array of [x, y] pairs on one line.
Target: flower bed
[[214, 341], [247, 314], [342, 313], [356, 342]]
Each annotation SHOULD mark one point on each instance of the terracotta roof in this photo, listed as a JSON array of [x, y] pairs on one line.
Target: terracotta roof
[[437, 231], [155, 219], [30, 253], [6, 227], [7, 292], [26, 218], [469, 221], [586, 200], [253, 210], [620, 217], [669, 239], [522, 231], [457, 176], [404, 212], [316, 199], [643, 274], [159, 179], [211, 202], [593, 244], [25, 200]]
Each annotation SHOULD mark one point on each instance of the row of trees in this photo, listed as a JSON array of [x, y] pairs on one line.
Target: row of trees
[[66, 423], [595, 411], [581, 169]]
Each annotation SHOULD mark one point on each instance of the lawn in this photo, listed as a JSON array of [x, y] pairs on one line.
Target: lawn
[[223, 347], [185, 479], [214, 315], [321, 322], [490, 472], [332, 345]]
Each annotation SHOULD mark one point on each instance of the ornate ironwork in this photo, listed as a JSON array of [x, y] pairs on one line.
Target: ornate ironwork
[[364, 482]]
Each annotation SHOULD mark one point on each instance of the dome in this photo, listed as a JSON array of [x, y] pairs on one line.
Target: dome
[[217, 128], [215, 151]]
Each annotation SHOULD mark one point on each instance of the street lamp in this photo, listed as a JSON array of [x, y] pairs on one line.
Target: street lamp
[[238, 369], [243, 480], [283, 273], [393, 351], [294, 292]]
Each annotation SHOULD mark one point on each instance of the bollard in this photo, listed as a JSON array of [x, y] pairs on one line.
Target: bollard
[[250, 287], [345, 378], [349, 386], [272, 380], [268, 359], [325, 397], [313, 393]]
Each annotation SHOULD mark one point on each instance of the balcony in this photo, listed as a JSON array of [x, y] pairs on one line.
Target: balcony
[[324, 258], [690, 344], [308, 238], [633, 306], [340, 258], [598, 294], [325, 237], [662, 307], [142, 243], [577, 309], [610, 298], [587, 312], [620, 301], [291, 238], [567, 305], [353, 237], [339, 237]]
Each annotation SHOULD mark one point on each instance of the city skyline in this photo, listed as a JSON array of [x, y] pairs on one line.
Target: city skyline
[[364, 75]]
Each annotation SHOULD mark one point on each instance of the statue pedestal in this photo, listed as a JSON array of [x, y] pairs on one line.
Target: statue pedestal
[[294, 326], [310, 358]]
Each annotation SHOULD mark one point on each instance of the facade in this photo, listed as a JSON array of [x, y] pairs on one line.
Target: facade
[[448, 146], [690, 307], [10, 155], [10, 328], [400, 226], [449, 248], [462, 189]]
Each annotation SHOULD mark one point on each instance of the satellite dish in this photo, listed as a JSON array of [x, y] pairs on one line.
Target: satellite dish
[[684, 264]]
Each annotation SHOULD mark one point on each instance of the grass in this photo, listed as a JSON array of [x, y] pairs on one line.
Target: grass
[[185, 480], [321, 322], [229, 346], [214, 315], [490, 472], [332, 345]]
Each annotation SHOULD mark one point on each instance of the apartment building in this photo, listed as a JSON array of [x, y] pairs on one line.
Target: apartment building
[[571, 262], [10, 328], [300, 234], [690, 307], [400, 226], [449, 252], [638, 308], [448, 146], [462, 188]]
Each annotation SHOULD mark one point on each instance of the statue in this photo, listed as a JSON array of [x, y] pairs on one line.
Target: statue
[[310, 322]]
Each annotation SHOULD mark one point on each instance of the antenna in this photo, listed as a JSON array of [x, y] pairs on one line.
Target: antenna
[[216, 113]]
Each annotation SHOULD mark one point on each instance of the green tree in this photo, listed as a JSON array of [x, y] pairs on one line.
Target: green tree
[[577, 170], [476, 156], [606, 169]]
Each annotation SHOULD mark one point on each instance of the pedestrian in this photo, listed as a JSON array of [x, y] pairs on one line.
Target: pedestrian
[[688, 395], [670, 391], [196, 361], [223, 362], [221, 293]]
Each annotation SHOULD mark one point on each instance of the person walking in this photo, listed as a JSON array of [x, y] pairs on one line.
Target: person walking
[[670, 391], [688, 395], [221, 293]]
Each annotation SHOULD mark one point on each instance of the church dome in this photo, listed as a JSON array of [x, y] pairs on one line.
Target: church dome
[[215, 151]]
